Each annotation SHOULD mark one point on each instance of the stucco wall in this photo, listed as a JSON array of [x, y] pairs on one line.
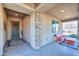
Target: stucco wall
[[9, 26], [5, 24], [1, 30], [32, 30], [46, 28], [26, 28]]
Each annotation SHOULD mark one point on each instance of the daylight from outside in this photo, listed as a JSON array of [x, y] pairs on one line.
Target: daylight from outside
[[70, 28]]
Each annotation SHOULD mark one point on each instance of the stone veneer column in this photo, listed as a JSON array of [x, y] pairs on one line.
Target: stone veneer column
[[38, 30]]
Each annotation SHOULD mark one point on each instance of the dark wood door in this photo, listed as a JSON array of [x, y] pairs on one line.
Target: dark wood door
[[15, 30]]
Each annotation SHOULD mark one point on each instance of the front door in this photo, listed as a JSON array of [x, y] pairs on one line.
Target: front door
[[15, 30]]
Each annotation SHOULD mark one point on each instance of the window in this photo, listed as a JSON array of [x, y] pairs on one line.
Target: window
[[55, 26], [70, 28]]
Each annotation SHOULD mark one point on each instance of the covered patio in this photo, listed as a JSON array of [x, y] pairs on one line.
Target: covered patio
[[39, 29]]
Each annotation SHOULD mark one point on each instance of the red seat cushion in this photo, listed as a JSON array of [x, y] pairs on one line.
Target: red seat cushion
[[59, 38], [70, 42]]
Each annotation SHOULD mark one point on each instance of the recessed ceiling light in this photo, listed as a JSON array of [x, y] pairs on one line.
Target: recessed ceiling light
[[62, 11], [67, 16], [16, 14]]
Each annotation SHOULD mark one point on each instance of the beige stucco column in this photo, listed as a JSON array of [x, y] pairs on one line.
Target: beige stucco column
[[32, 30], [9, 28], [1, 29]]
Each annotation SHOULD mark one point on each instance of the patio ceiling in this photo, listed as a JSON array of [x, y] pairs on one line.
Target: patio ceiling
[[19, 8], [14, 13], [64, 11], [32, 5]]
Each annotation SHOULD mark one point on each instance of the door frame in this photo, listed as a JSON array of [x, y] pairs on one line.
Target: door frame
[[11, 27]]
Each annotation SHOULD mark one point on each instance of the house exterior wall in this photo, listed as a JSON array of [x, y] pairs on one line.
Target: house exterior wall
[[36, 23], [46, 24], [26, 28], [5, 24], [1, 30], [32, 30], [9, 26], [8, 29], [43, 23], [43, 29], [37, 29]]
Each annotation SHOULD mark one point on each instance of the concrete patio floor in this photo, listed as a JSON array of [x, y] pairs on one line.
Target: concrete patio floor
[[51, 49]]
